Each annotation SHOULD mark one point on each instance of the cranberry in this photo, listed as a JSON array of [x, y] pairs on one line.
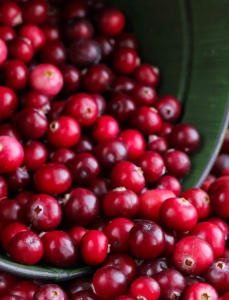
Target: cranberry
[[76, 233], [222, 225], [200, 290], [35, 155], [79, 29], [34, 34], [219, 201], [24, 196], [123, 84], [87, 295], [225, 145], [83, 167], [4, 51], [11, 154], [7, 282], [77, 285], [177, 163], [107, 46], [221, 163], [20, 48], [10, 211], [7, 33], [10, 14], [9, 130], [34, 11], [100, 187], [46, 79], [59, 249], [193, 262], [217, 183], [81, 207], [34, 99], [74, 9], [98, 78], [147, 75], [143, 95], [117, 232], [50, 291], [166, 129], [109, 283], [72, 78], [3, 188], [62, 156], [170, 242], [125, 60], [126, 39], [84, 144], [123, 297], [170, 183], [168, 107], [151, 267], [8, 102], [151, 201], [105, 127], [56, 109], [145, 287], [111, 21], [53, 52], [120, 202], [15, 74], [101, 103], [84, 52], [25, 289], [52, 178], [83, 108], [50, 32], [109, 152], [157, 144], [18, 179], [224, 297]]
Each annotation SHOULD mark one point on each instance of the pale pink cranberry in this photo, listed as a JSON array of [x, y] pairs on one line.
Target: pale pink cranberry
[[3, 51]]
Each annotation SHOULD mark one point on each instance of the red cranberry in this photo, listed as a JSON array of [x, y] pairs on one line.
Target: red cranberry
[[7, 33], [50, 32], [125, 60], [151, 267], [147, 75], [49, 291], [10, 211], [100, 187], [11, 154], [53, 52], [117, 232], [101, 103], [220, 164], [109, 283], [76, 233], [72, 79], [134, 141], [111, 21], [77, 285], [123, 84], [10, 14], [59, 249], [200, 290], [34, 34], [3, 188], [9, 130], [56, 110], [105, 127], [7, 282], [166, 129], [35, 155], [74, 9], [126, 39], [62, 156], [107, 46], [34, 99], [81, 207], [219, 200], [34, 11], [84, 144], [145, 287], [143, 95], [87, 295], [217, 183], [21, 49], [170, 183], [224, 297], [193, 262], [84, 52], [46, 79], [83, 108], [8, 102], [177, 163], [222, 225], [157, 144], [225, 145], [18, 179], [79, 29], [151, 201], [15, 74], [170, 242], [25, 289], [168, 107], [52, 179]]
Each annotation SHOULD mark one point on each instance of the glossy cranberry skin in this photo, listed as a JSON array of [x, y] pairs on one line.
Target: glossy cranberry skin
[[170, 183], [217, 182], [87, 295], [152, 165], [21, 49], [15, 74], [74, 9], [128, 175], [8, 102], [107, 45], [4, 51], [34, 11], [72, 78], [10, 14], [134, 141], [52, 178], [83, 167], [109, 283], [143, 95], [200, 200], [157, 144], [120, 202], [193, 262], [59, 249], [84, 144], [11, 154], [62, 156], [79, 29], [77, 285], [200, 290], [123, 84], [24, 289], [212, 234], [178, 214], [35, 155], [84, 52], [117, 232], [126, 39], [101, 103], [18, 179], [105, 127], [9, 130], [100, 187], [34, 99], [147, 75], [7, 33], [121, 107], [56, 110], [220, 165], [53, 52], [34, 34], [51, 32], [125, 60], [109, 152], [7, 281], [146, 288], [83, 108], [76, 233], [10, 212], [149, 233], [177, 163], [31, 123], [49, 291], [81, 207], [111, 21], [222, 225], [168, 107], [219, 200], [3, 188], [151, 201]]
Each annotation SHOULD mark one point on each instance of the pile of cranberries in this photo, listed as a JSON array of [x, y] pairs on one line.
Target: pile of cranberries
[[91, 164]]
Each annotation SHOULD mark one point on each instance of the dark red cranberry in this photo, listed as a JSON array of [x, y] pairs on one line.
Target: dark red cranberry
[[107, 46], [134, 141], [9, 130], [10, 212], [79, 29], [144, 95], [111, 21], [18, 179], [217, 182], [193, 279], [34, 99], [83, 108], [50, 32], [219, 200], [200, 290], [34, 11], [123, 84], [15, 74], [224, 297], [109, 152], [21, 49], [177, 163], [121, 107], [105, 127], [77, 285], [74, 9], [76, 233], [225, 145], [151, 267], [101, 103], [72, 78], [87, 295], [168, 107], [3, 188], [147, 75], [62, 156], [100, 223], [84, 52], [170, 242], [166, 129], [84, 144], [7, 282], [34, 34], [54, 13], [7, 33], [35, 155], [59, 249], [100, 187], [8, 102], [170, 183], [49, 291], [126, 39], [117, 232], [81, 207], [53, 52], [10, 14], [56, 110], [52, 179], [145, 287], [125, 60], [222, 225], [25, 289], [220, 164], [23, 197]]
